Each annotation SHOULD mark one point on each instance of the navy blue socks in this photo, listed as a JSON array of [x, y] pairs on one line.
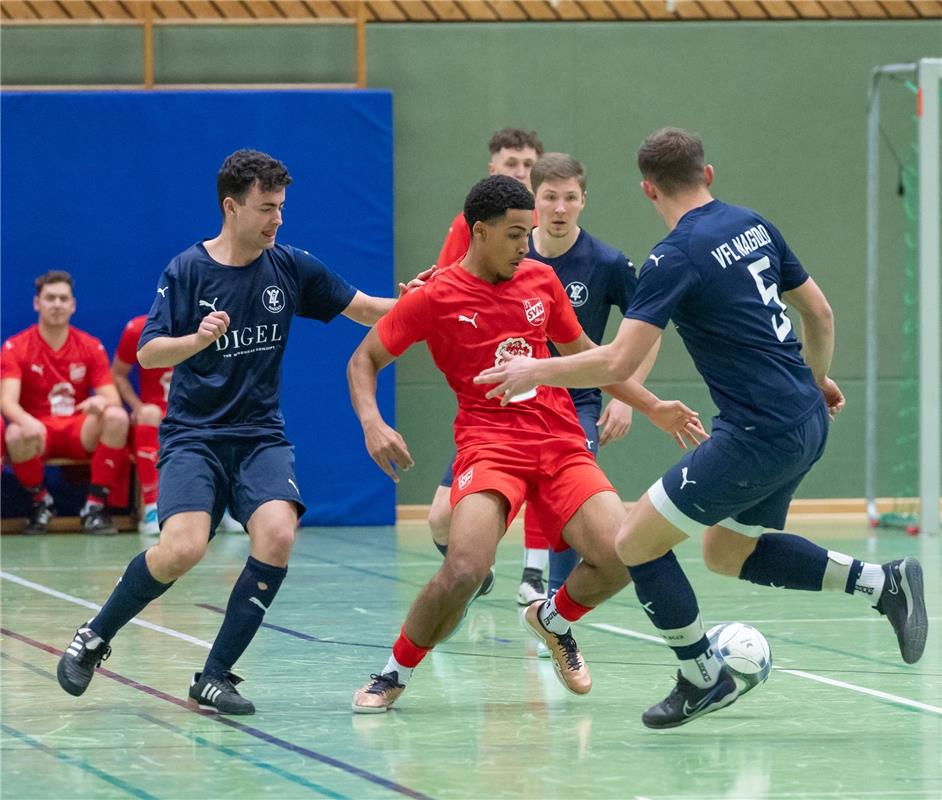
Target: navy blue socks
[[251, 596], [667, 596], [134, 591]]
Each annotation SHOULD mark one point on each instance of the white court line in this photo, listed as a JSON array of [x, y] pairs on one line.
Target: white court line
[[600, 625], [94, 606], [893, 698], [872, 692], [295, 566]]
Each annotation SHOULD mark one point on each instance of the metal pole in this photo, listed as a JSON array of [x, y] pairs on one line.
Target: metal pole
[[870, 384], [871, 378], [930, 443]]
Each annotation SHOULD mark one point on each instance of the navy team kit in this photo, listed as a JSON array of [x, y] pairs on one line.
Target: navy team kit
[[222, 441], [718, 276]]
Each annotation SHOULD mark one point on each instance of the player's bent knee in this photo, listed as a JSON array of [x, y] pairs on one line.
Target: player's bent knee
[[273, 544], [439, 520], [178, 556], [724, 551], [149, 414], [21, 447], [463, 576], [439, 515], [115, 420]]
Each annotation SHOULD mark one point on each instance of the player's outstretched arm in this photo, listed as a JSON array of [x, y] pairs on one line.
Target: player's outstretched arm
[[168, 351], [817, 334], [603, 365], [384, 444], [366, 309], [615, 420], [590, 368]]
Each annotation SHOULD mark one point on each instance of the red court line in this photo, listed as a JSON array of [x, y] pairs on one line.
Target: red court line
[[255, 732]]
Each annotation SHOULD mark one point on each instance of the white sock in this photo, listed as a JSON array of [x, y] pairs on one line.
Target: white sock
[[870, 583], [535, 559], [394, 666], [551, 618], [703, 670]]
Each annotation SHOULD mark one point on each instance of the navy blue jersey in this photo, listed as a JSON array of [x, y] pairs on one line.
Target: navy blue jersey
[[596, 277], [719, 276], [235, 380]]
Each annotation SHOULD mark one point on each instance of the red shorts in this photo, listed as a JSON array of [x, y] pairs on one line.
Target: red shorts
[[555, 476], [64, 437]]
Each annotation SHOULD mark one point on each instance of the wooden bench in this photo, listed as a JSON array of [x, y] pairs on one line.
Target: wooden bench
[[73, 524]]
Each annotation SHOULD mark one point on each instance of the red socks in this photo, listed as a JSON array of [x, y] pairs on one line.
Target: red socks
[[106, 463], [146, 445], [30, 474], [568, 608], [407, 652]]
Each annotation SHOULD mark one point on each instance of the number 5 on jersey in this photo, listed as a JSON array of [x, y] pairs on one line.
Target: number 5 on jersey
[[769, 294]]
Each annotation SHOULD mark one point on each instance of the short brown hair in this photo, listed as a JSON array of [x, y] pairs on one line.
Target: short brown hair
[[243, 169], [53, 276], [556, 167], [672, 159], [515, 139]]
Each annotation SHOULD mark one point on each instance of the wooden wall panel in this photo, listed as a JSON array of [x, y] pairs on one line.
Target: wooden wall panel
[[444, 11]]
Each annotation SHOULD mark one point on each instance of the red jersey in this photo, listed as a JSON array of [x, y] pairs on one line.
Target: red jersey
[[54, 382], [468, 324], [154, 383], [458, 241]]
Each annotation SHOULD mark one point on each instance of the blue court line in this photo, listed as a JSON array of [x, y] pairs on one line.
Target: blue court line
[[307, 637], [222, 720], [372, 573], [198, 739], [255, 762], [75, 761]]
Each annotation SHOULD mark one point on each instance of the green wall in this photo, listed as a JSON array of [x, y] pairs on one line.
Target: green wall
[[781, 107]]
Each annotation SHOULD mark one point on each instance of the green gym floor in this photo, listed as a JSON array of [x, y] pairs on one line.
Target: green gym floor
[[840, 717]]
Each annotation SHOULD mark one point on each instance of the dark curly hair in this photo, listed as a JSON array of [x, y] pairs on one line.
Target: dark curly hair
[[240, 171], [493, 197]]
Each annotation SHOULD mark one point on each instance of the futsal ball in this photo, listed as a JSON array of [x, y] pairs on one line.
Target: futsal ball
[[744, 650]]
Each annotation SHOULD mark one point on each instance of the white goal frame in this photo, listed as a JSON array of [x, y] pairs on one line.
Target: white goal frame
[[927, 73]]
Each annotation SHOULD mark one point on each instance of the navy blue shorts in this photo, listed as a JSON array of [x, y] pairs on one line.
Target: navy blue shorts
[[739, 480], [589, 420], [200, 472]]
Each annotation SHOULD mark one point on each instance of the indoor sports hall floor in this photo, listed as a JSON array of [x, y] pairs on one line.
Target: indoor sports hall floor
[[841, 716]]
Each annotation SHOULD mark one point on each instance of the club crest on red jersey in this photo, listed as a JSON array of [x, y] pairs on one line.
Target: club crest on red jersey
[[536, 314], [514, 346], [76, 372]]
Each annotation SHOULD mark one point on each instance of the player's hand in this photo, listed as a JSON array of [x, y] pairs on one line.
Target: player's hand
[[833, 396], [679, 422], [212, 326], [94, 406], [418, 280], [512, 376], [387, 448], [614, 422]]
